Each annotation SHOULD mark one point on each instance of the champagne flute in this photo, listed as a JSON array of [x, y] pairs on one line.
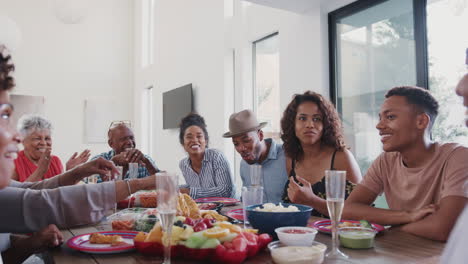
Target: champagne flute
[[335, 182], [167, 194]]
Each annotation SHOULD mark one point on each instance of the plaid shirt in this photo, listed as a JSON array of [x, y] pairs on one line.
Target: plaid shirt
[[142, 171]]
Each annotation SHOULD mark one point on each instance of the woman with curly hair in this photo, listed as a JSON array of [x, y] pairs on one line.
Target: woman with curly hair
[[313, 142], [206, 171]]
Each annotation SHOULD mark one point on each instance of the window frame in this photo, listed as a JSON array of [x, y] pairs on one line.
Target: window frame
[[420, 37], [254, 68]]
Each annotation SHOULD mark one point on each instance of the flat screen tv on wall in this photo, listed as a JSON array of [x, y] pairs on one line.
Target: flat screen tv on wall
[[177, 103]]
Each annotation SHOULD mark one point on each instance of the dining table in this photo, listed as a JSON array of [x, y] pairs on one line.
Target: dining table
[[391, 246]]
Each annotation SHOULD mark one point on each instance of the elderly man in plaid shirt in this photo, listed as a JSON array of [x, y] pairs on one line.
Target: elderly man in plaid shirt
[[122, 142]]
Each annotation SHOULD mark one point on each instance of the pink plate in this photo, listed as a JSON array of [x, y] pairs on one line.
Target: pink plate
[[237, 214], [323, 224], [81, 243], [224, 200]]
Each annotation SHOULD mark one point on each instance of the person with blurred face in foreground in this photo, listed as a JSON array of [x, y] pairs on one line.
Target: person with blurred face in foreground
[[455, 251], [58, 200], [422, 180]]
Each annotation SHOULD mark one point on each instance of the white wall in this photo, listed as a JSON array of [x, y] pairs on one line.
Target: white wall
[[193, 43], [189, 48], [68, 63]]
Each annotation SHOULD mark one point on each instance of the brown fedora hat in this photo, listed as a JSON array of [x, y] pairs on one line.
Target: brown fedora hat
[[243, 122]]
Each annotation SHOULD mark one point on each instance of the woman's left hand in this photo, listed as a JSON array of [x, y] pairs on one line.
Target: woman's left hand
[[300, 194], [76, 159]]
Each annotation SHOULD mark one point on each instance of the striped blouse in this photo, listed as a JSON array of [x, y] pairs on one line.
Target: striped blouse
[[214, 180]]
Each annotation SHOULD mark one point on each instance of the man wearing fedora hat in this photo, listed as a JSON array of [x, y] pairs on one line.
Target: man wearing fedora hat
[[247, 137]]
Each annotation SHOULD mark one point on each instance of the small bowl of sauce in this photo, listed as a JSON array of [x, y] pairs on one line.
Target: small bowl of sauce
[[296, 235], [357, 237], [282, 254]]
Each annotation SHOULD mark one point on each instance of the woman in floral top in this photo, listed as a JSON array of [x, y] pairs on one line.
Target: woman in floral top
[[313, 142]]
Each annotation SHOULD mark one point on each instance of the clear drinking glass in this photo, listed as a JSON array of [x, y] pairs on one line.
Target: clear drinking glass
[[255, 175], [115, 178], [133, 170], [251, 195], [167, 193], [335, 182]]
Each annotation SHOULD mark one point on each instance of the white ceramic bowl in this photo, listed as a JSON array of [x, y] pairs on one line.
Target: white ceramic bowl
[[282, 254], [296, 235]]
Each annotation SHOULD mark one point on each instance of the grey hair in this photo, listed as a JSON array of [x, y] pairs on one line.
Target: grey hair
[[30, 123]]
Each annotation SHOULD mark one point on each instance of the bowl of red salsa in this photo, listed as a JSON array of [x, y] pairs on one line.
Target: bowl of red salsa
[[296, 235]]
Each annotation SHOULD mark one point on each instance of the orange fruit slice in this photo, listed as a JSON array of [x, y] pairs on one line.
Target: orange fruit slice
[[231, 227], [216, 232], [255, 231]]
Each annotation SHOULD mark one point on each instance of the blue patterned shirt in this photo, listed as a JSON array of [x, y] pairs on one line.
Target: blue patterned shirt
[[214, 180], [142, 171]]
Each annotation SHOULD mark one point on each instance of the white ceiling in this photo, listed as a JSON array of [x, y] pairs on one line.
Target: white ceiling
[[298, 6]]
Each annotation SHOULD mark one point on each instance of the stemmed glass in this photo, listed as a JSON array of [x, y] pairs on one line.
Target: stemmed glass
[[335, 182], [167, 194]]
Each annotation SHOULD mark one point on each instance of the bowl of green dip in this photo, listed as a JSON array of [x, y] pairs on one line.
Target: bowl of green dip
[[356, 237]]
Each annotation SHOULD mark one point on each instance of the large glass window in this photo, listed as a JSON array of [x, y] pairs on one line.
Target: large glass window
[[147, 32], [266, 83], [447, 41], [373, 49], [147, 120]]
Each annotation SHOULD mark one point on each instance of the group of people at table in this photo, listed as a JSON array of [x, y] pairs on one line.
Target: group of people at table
[[424, 182]]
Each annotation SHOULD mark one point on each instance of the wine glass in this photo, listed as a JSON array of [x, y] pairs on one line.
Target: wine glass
[[167, 194], [335, 182]]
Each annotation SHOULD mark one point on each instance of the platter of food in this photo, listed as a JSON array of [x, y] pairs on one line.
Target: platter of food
[[106, 242], [237, 214], [224, 200], [210, 206], [324, 226]]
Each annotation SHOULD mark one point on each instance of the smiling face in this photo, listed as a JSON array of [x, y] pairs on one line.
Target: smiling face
[[194, 140], [36, 143], [9, 140], [248, 145], [400, 126], [121, 138], [308, 123], [462, 90]]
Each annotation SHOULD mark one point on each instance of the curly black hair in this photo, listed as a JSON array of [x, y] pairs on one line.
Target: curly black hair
[[420, 98], [7, 82], [192, 119], [332, 130]]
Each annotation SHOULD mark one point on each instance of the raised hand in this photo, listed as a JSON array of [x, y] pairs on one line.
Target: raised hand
[[134, 156], [100, 166], [120, 159], [44, 161], [76, 159], [300, 194]]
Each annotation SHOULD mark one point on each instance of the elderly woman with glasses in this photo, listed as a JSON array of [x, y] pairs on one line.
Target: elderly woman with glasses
[[36, 162]]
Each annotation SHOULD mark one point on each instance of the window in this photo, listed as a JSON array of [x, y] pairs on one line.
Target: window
[[147, 120], [447, 42], [374, 46], [266, 83], [147, 32]]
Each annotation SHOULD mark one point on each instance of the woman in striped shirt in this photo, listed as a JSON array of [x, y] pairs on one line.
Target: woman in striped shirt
[[206, 171]]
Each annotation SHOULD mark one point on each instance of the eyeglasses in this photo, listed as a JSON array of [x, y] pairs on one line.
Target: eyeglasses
[[126, 123], [6, 110]]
